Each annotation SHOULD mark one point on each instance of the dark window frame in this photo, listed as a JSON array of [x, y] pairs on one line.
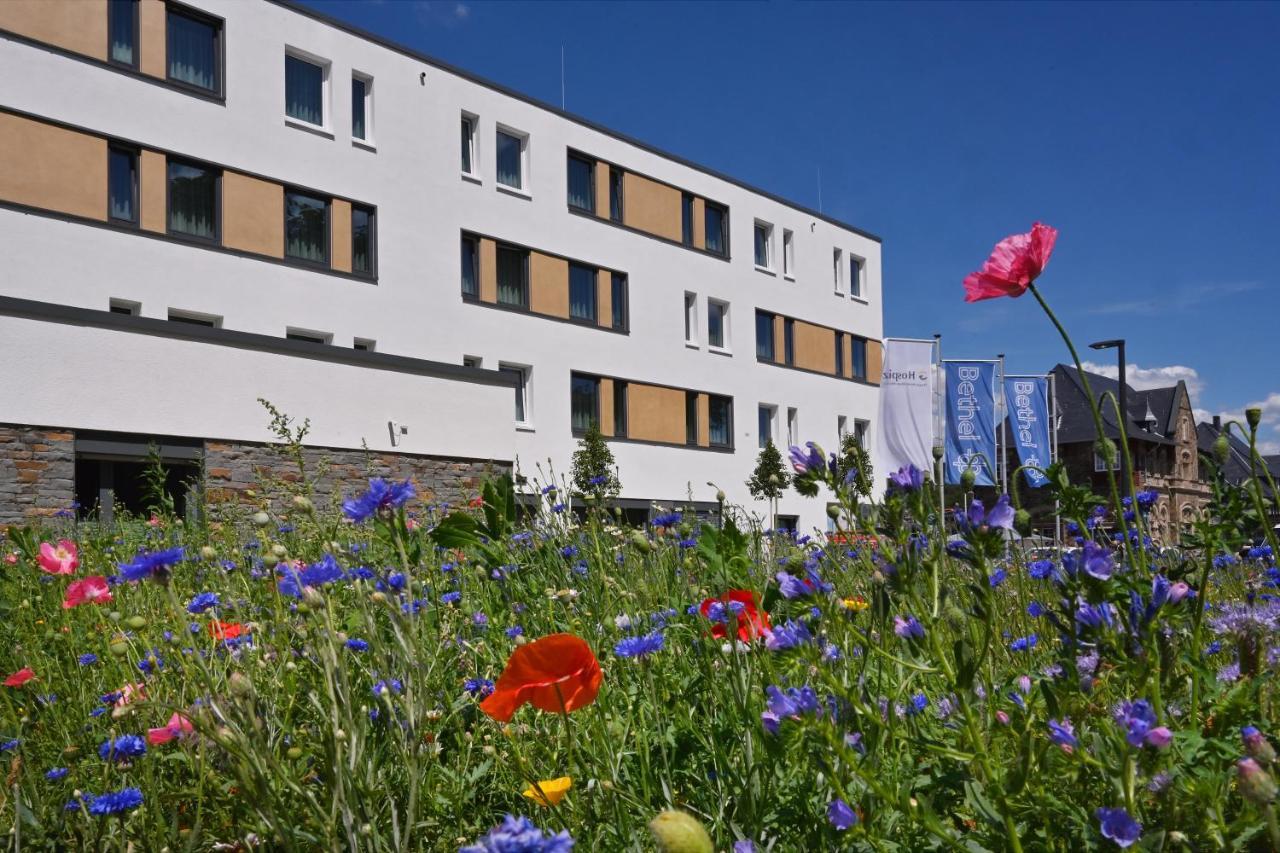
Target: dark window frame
[[363, 81], [839, 352], [523, 304], [620, 407], [134, 158], [591, 182], [470, 122], [594, 319], [616, 183], [216, 239], [773, 342], [328, 229], [574, 376], [306, 338], [857, 344], [712, 399], [712, 305], [137, 35], [372, 211], [620, 309], [789, 342], [522, 140], [691, 418], [521, 391], [325, 70], [474, 242], [761, 237], [686, 220], [219, 48], [707, 207]]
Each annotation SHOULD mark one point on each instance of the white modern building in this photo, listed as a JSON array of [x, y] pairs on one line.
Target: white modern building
[[207, 203]]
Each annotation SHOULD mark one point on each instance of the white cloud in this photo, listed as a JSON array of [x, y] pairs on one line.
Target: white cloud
[[1270, 425], [461, 10], [1143, 378], [1180, 299], [439, 13]]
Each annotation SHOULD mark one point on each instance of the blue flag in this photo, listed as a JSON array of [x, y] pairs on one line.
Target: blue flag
[[1027, 400], [971, 421]]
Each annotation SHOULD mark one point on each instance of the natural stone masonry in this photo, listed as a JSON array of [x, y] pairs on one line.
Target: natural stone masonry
[[37, 472]]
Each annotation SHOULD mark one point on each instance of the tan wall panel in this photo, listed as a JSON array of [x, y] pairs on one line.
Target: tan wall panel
[[604, 298], [704, 421], [815, 348], [548, 285], [253, 215], [779, 340], [848, 353], [602, 189], [655, 414], [52, 168], [76, 25], [651, 206], [875, 361], [488, 271], [151, 34], [606, 407], [699, 223], [153, 190], [340, 235]]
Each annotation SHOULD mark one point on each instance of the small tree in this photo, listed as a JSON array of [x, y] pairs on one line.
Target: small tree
[[769, 480], [855, 458], [594, 472]]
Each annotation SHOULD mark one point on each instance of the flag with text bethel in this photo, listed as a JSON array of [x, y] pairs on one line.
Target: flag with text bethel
[[1027, 399], [971, 421]]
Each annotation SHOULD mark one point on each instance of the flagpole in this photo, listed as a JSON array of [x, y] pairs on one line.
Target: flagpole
[[940, 427], [1053, 456], [1001, 409]]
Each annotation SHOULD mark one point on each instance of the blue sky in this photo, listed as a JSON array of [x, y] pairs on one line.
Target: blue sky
[[1148, 134]]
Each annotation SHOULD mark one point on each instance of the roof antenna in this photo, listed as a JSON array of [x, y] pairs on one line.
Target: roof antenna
[[819, 189], [561, 76]]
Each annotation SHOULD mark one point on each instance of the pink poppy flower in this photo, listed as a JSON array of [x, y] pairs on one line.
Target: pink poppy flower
[[61, 559], [178, 727], [1015, 262], [91, 590], [154, 521], [131, 693], [11, 559], [20, 677]]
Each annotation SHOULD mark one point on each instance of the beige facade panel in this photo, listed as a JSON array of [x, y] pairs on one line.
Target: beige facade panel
[[79, 26], [602, 189], [153, 191], [604, 298], [655, 414], [704, 420], [340, 235], [651, 207], [848, 353], [699, 223], [875, 361], [488, 270], [548, 285], [52, 168], [253, 215], [152, 39], [779, 339], [815, 348], [607, 426]]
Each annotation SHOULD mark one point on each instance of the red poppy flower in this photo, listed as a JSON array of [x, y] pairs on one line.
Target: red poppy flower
[[752, 622], [20, 677], [1015, 262], [225, 630], [557, 672], [91, 590]]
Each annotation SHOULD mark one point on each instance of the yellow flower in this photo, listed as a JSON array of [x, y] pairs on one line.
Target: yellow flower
[[856, 603], [549, 792]]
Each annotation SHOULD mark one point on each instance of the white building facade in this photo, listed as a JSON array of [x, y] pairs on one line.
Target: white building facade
[[205, 204]]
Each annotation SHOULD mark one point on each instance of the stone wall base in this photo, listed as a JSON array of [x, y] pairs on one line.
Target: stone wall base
[[37, 472]]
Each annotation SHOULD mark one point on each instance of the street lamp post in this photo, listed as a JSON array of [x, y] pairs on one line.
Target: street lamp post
[[1118, 345]]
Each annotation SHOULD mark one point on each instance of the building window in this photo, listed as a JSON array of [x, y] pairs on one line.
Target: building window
[[618, 300], [470, 267], [764, 248], [304, 90], [1100, 464], [194, 47], [193, 200], [308, 336], [764, 336], [582, 184], [363, 240], [837, 274], [789, 341], [364, 344], [619, 409], [306, 227], [125, 306], [717, 323], [839, 353], [842, 427], [788, 253], [122, 32], [511, 157], [691, 318], [472, 361], [582, 292], [793, 427], [361, 108], [691, 417], [468, 144], [513, 277], [859, 351], [584, 402], [860, 428], [615, 194], [686, 219], [190, 318], [716, 219], [720, 421], [855, 276], [521, 376], [764, 425], [122, 185]]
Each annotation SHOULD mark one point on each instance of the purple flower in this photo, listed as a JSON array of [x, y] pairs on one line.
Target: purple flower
[[123, 748], [381, 495], [1118, 826], [802, 461], [640, 646], [1043, 570], [908, 627], [977, 518], [115, 802], [481, 687], [357, 645], [1138, 719], [907, 479], [746, 845], [1093, 615], [203, 602], [841, 816], [1256, 745], [1024, 644], [1063, 733], [788, 635], [519, 835], [155, 565]]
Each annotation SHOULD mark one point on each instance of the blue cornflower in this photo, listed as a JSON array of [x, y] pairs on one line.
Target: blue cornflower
[[122, 748], [1043, 570], [7, 745], [519, 835], [480, 620], [1024, 644], [397, 580], [203, 602], [392, 685], [997, 578], [357, 645], [670, 519], [316, 574], [639, 646], [1035, 610], [788, 635], [451, 597], [1093, 559], [1118, 826], [481, 687], [514, 631], [116, 802], [156, 564], [56, 773], [380, 496], [918, 703], [361, 573], [908, 627], [569, 552], [87, 659], [841, 816]]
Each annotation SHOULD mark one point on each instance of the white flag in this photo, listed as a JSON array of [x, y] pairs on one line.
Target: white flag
[[906, 405]]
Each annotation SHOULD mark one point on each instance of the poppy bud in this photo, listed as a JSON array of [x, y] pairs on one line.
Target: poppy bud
[[1022, 520], [207, 552], [833, 511], [720, 495], [312, 596], [1106, 449], [240, 685], [261, 519], [1253, 417], [119, 649], [680, 832], [641, 543], [136, 622], [1257, 746], [303, 503], [279, 550], [115, 616], [378, 596], [1221, 448], [270, 561], [967, 479], [1256, 785]]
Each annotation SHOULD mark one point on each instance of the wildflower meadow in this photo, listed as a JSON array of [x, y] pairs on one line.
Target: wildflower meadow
[[529, 673]]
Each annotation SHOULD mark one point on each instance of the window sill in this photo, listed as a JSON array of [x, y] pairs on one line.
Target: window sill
[[473, 178], [308, 127], [692, 345], [719, 350], [839, 294], [860, 299], [765, 270], [365, 144], [503, 188], [525, 428], [788, 277]]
